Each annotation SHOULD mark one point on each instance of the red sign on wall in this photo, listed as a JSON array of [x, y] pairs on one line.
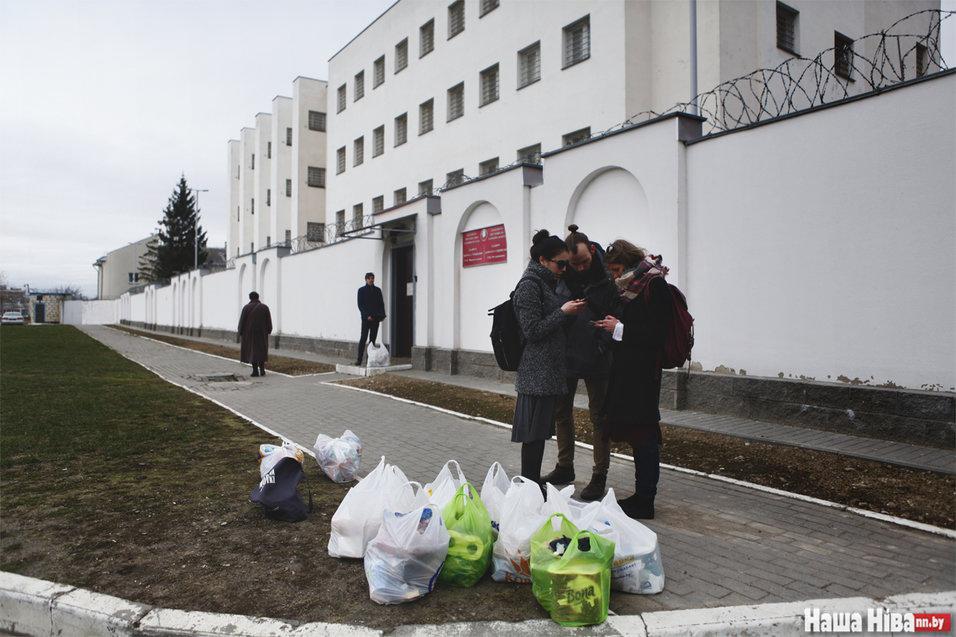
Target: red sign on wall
[[484, 246]]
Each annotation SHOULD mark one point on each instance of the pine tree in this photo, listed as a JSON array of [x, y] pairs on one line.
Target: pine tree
[[172, 253]]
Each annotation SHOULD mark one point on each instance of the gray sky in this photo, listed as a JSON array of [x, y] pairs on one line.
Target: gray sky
[[103, 104]]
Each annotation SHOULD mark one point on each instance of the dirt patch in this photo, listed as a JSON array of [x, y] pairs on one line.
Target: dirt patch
[[282, 364], [923, 496]]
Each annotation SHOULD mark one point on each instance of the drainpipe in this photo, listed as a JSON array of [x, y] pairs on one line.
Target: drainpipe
[[695, 109]]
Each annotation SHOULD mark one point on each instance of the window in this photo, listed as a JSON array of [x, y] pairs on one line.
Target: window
[[489, 85], [455, 177], [787, 28], [488, 166], [268, 241], [400, 197], [529, 65], [487, 6], [288, 137], [378, 141], [358, 151], [922, 59], [378, 204], [131, 279], [252, 206], [577, 42], [288, 234], [358, 217], [426, 110], [378, 72], [426, 38], [316, 177], [288, 187], [842, 55], [316, 121], [424, 187], [268, 197], [237, 217], [576, 137], [456, 101], [253, 166], [269, 150], [341, 104], [530, 154], [359, 89], [339, 222], [340, 161], [401, 129], [456, 18], [314, 232], [401, 55]]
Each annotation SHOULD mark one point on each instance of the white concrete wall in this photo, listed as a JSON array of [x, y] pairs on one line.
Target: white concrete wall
[[309, 149], [280, 212], [247, 145], [104, 312], [220, 300], [263, 181], [234, 213]]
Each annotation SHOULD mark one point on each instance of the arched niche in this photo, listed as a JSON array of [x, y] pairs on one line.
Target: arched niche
[[263, 293], [478, 287], [610, 203]]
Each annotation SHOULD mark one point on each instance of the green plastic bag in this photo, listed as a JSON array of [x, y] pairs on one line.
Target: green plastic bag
[[547, 545], [470, 538]]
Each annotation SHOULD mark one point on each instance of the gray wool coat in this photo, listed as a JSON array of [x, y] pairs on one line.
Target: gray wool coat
[[541, 370]]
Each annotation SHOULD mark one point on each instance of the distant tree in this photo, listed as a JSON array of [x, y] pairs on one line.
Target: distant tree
[[172, 252], [70, 290]]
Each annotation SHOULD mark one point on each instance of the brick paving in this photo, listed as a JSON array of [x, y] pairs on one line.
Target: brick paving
[[722, 544]]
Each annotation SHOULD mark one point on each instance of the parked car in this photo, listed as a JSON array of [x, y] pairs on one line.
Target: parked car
[[13, 317]]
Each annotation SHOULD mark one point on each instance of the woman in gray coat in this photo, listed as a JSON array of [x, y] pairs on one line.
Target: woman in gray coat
[[540, 379]]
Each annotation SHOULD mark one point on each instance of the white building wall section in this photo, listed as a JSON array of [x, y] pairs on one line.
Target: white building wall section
[[281, 208], [164, 311], [220, 307], [105, 312], [263, 181], [247, 192], [234, 213], [309, 149]]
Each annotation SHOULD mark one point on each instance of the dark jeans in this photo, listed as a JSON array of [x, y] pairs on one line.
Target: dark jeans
[[647, 468], [370, 333], [564, 424]]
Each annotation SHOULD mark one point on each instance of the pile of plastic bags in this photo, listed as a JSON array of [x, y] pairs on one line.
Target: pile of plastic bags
[[339, 458]]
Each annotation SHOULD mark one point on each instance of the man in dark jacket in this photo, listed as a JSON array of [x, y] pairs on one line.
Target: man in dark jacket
[[255, 325], [588, 357], [371, 307]]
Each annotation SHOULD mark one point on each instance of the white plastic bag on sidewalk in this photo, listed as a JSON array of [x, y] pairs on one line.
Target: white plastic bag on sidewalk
[[377, 355], [403, 561], [339, 458], [521, 516], [493, 491], [559, 501], [445, 485]]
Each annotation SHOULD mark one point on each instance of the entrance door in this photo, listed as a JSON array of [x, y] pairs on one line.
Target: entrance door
[[403, 301], [39, 313]]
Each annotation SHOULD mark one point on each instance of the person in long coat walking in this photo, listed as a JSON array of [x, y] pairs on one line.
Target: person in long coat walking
[[255, 325]]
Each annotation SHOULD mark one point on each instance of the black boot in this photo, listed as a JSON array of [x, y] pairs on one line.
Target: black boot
[[560, 476], [262, 370], [639, 507], [255, 371], [595, 489]]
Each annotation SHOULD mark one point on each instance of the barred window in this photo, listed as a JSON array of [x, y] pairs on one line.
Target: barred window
[[489, 85], [401, 55], [456, 18], [358, 151], [314, 232], [268, 196], [253, 166], [577, 41], [358, 217], [400, 196], [378, 75], [488, 166], [922, 59], [487, 6], [456, 101], [424, 187], [317, 121], [288, 187], [268, 150], [316, 177], [378, 204], [426, 111], [401, 129], [455, 177], [580, 135], [288, 233], [530, 154], [842, 55], [359, 86], [340, 222], [787, 23], [426, 38], [340, 161], [378, 141], [252, 206], [341, 97], [529, 65], [288, 137]]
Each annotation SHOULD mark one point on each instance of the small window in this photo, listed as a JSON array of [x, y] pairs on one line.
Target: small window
[[339, 222], [237, 216], [577, 42], [426, 111], [252, 206], [456, 101], [288, 187], [922, 60], [456, 18], [487, 6], [288, 137], [130, 277], [288, 234], [268, 241], [317, 121], [341, 99], [268, 150], [489, 85], [378, 72], [314, 232], [455, 177], [340, 161], [842, 55], [787, 24], [316, 177], [426, 38], [488, 166], [530, 154], [358, 151], [529, 65], [378, 204], [400, 196], [378, 141], [424, 187], [401, 55], [401, 129], [253, 164], [268, 196], [576, 137], [359, 88], [358, 217]]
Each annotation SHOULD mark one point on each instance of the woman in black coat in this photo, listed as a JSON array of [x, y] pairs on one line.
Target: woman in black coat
[[634, 388]]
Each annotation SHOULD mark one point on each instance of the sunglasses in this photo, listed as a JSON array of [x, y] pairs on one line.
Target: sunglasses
[[561, 263]]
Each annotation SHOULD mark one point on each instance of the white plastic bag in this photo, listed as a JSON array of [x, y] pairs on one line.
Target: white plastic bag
[[443, 488], [270, 455], [402, 562], [377, 355], [493, 491], [559, 501], [521, 516], [339, 458]]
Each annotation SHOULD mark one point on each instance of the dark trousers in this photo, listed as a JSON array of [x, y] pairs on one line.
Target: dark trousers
[[647, 468], [564, 424], [370, 333]]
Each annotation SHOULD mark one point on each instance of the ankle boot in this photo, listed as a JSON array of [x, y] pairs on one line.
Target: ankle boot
[[595, 488], [639, 507], [560, 476]]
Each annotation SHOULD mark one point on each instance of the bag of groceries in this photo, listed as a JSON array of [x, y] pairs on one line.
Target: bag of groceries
[[470, 538], [339, 458]]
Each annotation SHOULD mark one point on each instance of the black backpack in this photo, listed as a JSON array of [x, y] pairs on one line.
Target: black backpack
[[279, 494], [506, 338]]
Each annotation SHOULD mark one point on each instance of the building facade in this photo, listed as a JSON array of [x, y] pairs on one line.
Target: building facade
[[118, 271]]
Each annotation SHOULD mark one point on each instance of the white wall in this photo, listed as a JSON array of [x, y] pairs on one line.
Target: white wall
[[104, 312], [233, 214], [247, 145], [280, 210], [263, 181], [308, 202]]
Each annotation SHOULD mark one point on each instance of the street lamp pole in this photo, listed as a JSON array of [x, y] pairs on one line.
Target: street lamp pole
[[196, 229]]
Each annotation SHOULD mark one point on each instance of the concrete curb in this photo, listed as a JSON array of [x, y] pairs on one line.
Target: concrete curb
[[38, 607]]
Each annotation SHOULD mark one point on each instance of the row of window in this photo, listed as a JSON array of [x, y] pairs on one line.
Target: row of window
[[315, 179], [316, 123]]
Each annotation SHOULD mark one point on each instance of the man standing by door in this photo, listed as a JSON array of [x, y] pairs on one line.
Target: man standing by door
[[255, 325], [371, 307]]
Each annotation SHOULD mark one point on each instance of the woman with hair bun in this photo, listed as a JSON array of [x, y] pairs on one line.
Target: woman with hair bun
[[540, 377]]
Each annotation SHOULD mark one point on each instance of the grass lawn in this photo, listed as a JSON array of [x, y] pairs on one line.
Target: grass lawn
[[114, 480]]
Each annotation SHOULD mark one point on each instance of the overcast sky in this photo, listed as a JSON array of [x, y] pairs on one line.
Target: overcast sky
[[104, 103]]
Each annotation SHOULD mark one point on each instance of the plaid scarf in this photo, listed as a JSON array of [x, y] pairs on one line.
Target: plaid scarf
[[634, 282]]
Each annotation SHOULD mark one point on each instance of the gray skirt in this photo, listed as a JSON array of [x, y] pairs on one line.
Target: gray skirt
[[534, 418]]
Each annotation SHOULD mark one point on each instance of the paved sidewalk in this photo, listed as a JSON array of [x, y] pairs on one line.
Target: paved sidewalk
[[722, 544]]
